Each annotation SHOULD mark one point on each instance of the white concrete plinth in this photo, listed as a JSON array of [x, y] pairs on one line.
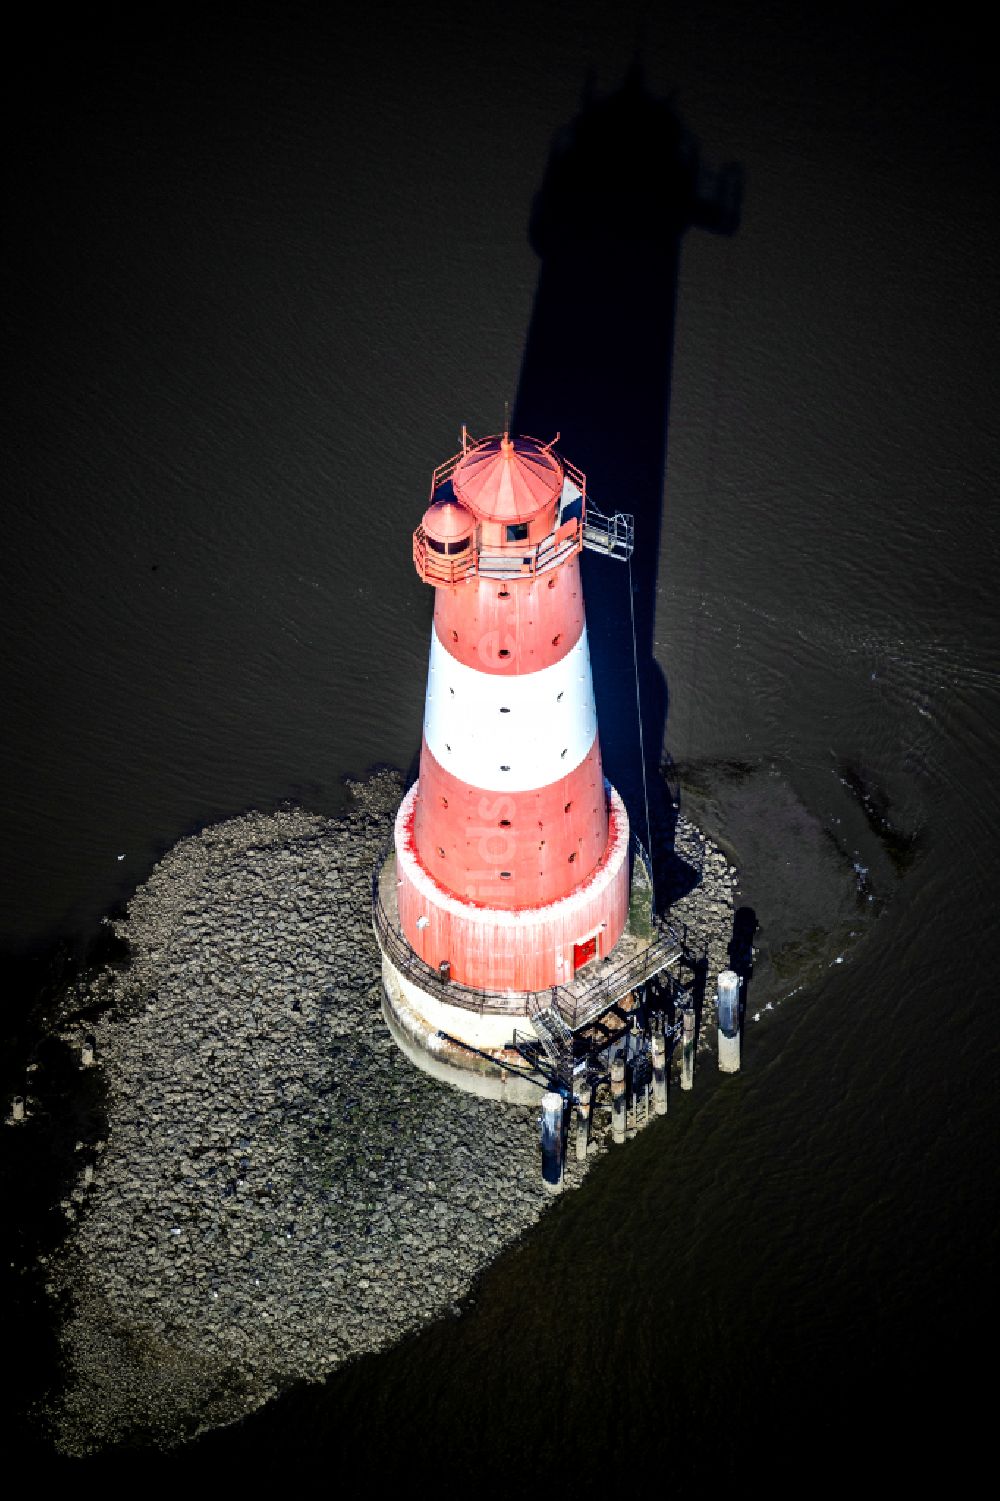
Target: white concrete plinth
[[417, 1020]]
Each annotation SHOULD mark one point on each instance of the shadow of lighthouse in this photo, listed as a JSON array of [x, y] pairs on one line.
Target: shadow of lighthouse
[[622, 185]]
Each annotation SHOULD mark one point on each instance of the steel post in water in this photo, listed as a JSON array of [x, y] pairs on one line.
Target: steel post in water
[[687, 1052], [552, 1140], [583, 1121], [618, 1101], [659, 1047], [728, 993]]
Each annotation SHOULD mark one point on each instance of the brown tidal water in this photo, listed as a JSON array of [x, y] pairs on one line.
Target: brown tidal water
[[262, 270]]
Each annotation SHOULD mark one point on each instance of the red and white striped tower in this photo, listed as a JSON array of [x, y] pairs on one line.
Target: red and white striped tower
[[511, 850]]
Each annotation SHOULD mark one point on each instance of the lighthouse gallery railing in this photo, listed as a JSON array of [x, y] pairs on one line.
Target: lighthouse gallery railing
[[578, 1007], [612, 536], [514, 562]]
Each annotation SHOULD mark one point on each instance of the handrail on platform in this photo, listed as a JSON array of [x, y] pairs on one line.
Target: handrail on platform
[[576, 1009]]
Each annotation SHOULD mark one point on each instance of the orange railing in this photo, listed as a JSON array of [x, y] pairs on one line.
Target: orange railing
[[578, 478], [446, 470], [514, 562], [441, 568]]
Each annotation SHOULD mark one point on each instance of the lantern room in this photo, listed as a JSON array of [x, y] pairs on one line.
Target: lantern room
[[513, 486], [503, 507]]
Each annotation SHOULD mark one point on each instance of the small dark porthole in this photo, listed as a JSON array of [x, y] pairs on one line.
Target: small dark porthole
[[567, 807], [454, 635], [552, 583], [505, 768], [505, 823], [441, 850], [504, 594], [505, 875], [444, 802], [572, 857], [504, 709], [558, 698], [504, 652], [556, 639]]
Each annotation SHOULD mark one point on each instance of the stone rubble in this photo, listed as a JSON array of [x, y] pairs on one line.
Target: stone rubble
[[279, 1190]]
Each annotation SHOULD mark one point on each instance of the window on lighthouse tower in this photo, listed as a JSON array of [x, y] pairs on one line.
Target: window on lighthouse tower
[[447, 547], [517, 532]]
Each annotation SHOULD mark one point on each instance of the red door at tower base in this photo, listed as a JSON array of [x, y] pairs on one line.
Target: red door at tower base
[[584, 952]]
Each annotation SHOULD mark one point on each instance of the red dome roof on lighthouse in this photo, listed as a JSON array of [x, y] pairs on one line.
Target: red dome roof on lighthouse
[[447, 521], [508, 479]]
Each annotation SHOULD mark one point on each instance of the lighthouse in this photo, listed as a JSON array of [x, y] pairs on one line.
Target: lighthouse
[[503, 907]]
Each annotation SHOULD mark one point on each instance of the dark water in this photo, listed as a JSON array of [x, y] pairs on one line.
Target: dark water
[[262, 270]]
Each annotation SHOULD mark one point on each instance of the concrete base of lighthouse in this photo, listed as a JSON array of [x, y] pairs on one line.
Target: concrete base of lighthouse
[[416, 1021]]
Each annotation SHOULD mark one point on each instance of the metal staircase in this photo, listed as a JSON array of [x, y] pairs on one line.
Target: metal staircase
[[556, 1040]]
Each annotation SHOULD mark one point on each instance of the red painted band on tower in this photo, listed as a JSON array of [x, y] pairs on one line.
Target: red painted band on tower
[[511, 849], [526, 949], [512, 625]]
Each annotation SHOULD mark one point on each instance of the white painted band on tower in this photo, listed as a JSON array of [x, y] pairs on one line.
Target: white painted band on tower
[[510, 734]]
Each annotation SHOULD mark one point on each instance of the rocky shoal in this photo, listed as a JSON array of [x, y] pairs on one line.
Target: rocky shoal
[[279, 1190]]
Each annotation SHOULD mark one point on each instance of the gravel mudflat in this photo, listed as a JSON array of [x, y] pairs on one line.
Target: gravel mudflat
[[279, 1189]]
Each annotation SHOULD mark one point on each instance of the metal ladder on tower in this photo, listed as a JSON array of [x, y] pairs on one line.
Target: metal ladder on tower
[[557, 1042]]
